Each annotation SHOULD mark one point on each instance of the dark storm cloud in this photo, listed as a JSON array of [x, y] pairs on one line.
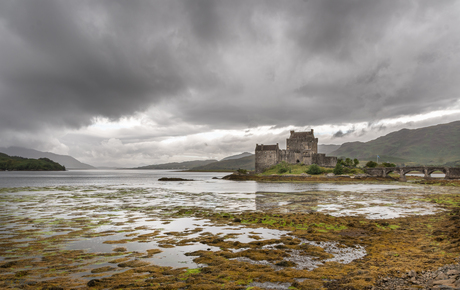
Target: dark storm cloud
[[63, 63], [225, 64], [340, 134]]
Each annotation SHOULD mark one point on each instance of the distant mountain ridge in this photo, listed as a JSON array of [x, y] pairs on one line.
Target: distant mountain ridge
[[327, 148], [238, 156], [438, 144], [247, 163], [179, 165], [68, 161]]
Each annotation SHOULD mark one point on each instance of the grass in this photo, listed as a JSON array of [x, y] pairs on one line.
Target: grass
[[291, 169], [285, 168]]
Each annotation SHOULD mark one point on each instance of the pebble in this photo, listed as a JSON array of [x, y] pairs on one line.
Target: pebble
[[446, 277]]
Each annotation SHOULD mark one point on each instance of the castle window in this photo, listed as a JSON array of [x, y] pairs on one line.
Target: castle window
[[298, 161]]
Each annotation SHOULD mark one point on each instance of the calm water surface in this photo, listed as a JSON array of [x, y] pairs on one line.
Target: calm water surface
[[203, 181]]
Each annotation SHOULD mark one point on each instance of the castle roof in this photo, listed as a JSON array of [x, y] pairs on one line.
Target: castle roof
[[301, 134], [263, 147]]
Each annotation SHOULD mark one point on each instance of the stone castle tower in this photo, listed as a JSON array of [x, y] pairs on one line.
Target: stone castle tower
[[301, 147]]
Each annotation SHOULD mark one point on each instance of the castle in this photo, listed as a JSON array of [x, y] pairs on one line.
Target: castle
[[301, 147]]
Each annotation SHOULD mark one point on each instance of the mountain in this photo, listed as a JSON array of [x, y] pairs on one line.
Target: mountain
[[68, 161], [247, 162], [179, 165], [430, 145], [15, 163], [326, 148], [244, 154]]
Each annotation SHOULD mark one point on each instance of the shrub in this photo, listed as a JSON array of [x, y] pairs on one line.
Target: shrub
[[242, 171], [371, 164], [348, 162], [314, 169], [387, 164], [338, 169], [282, 170], [355, 162]]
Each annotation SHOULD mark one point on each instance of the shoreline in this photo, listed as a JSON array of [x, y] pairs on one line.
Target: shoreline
[[341, 179], [416, 244]]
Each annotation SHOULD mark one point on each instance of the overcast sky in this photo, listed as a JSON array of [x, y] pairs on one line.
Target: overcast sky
[[127, 83]]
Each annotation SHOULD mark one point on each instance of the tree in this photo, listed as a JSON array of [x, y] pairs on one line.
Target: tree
[[355, 162], [388, 164], [338, 169], [314, 169], [371, 164], [348, 162]]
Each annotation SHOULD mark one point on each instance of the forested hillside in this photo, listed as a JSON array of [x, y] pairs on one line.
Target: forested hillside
[[438, 144], [14, 163], [247, 163]]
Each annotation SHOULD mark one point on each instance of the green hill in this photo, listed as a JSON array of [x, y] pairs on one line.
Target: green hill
[[179, 165], [68, 161], [438, 144], [247, 163], [238, 156], [15, 163]]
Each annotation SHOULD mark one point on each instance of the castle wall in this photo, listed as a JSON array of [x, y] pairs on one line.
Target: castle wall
[[299, 144], [265, 159], [323, 160], [290, 156]]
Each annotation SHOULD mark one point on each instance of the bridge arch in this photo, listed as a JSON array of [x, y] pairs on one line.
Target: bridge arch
[[430, 170]]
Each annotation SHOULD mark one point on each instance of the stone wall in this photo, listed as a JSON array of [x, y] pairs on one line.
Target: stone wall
[[292, 157], [265, 159], [323, 160], [299, 145], [453, 173]]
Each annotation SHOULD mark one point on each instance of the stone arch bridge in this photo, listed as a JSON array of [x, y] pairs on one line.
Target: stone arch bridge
[[450, 172]]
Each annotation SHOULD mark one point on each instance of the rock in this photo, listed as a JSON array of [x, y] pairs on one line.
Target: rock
[[452, 272], [286, 264], [215, 177], [173, 179], [361, 175], [237, 220], [448, 282], [330, 175], [457, 283], [411, 273], [429, 283], [305, 175], [442, 276], [93, 282]]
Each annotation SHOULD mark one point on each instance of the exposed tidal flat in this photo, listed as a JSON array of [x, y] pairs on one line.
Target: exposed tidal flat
[[122, 230]]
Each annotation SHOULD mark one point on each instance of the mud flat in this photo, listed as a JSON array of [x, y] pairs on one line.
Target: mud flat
[[296, 236]]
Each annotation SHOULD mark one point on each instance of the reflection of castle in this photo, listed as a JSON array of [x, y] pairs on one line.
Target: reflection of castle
[[301, 147]]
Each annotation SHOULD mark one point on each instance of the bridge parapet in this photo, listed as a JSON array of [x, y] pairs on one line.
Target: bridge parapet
[[450, 172]]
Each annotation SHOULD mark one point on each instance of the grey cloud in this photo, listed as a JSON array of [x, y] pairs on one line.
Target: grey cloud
[[61, 70], [304, 63], [341, 134]]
